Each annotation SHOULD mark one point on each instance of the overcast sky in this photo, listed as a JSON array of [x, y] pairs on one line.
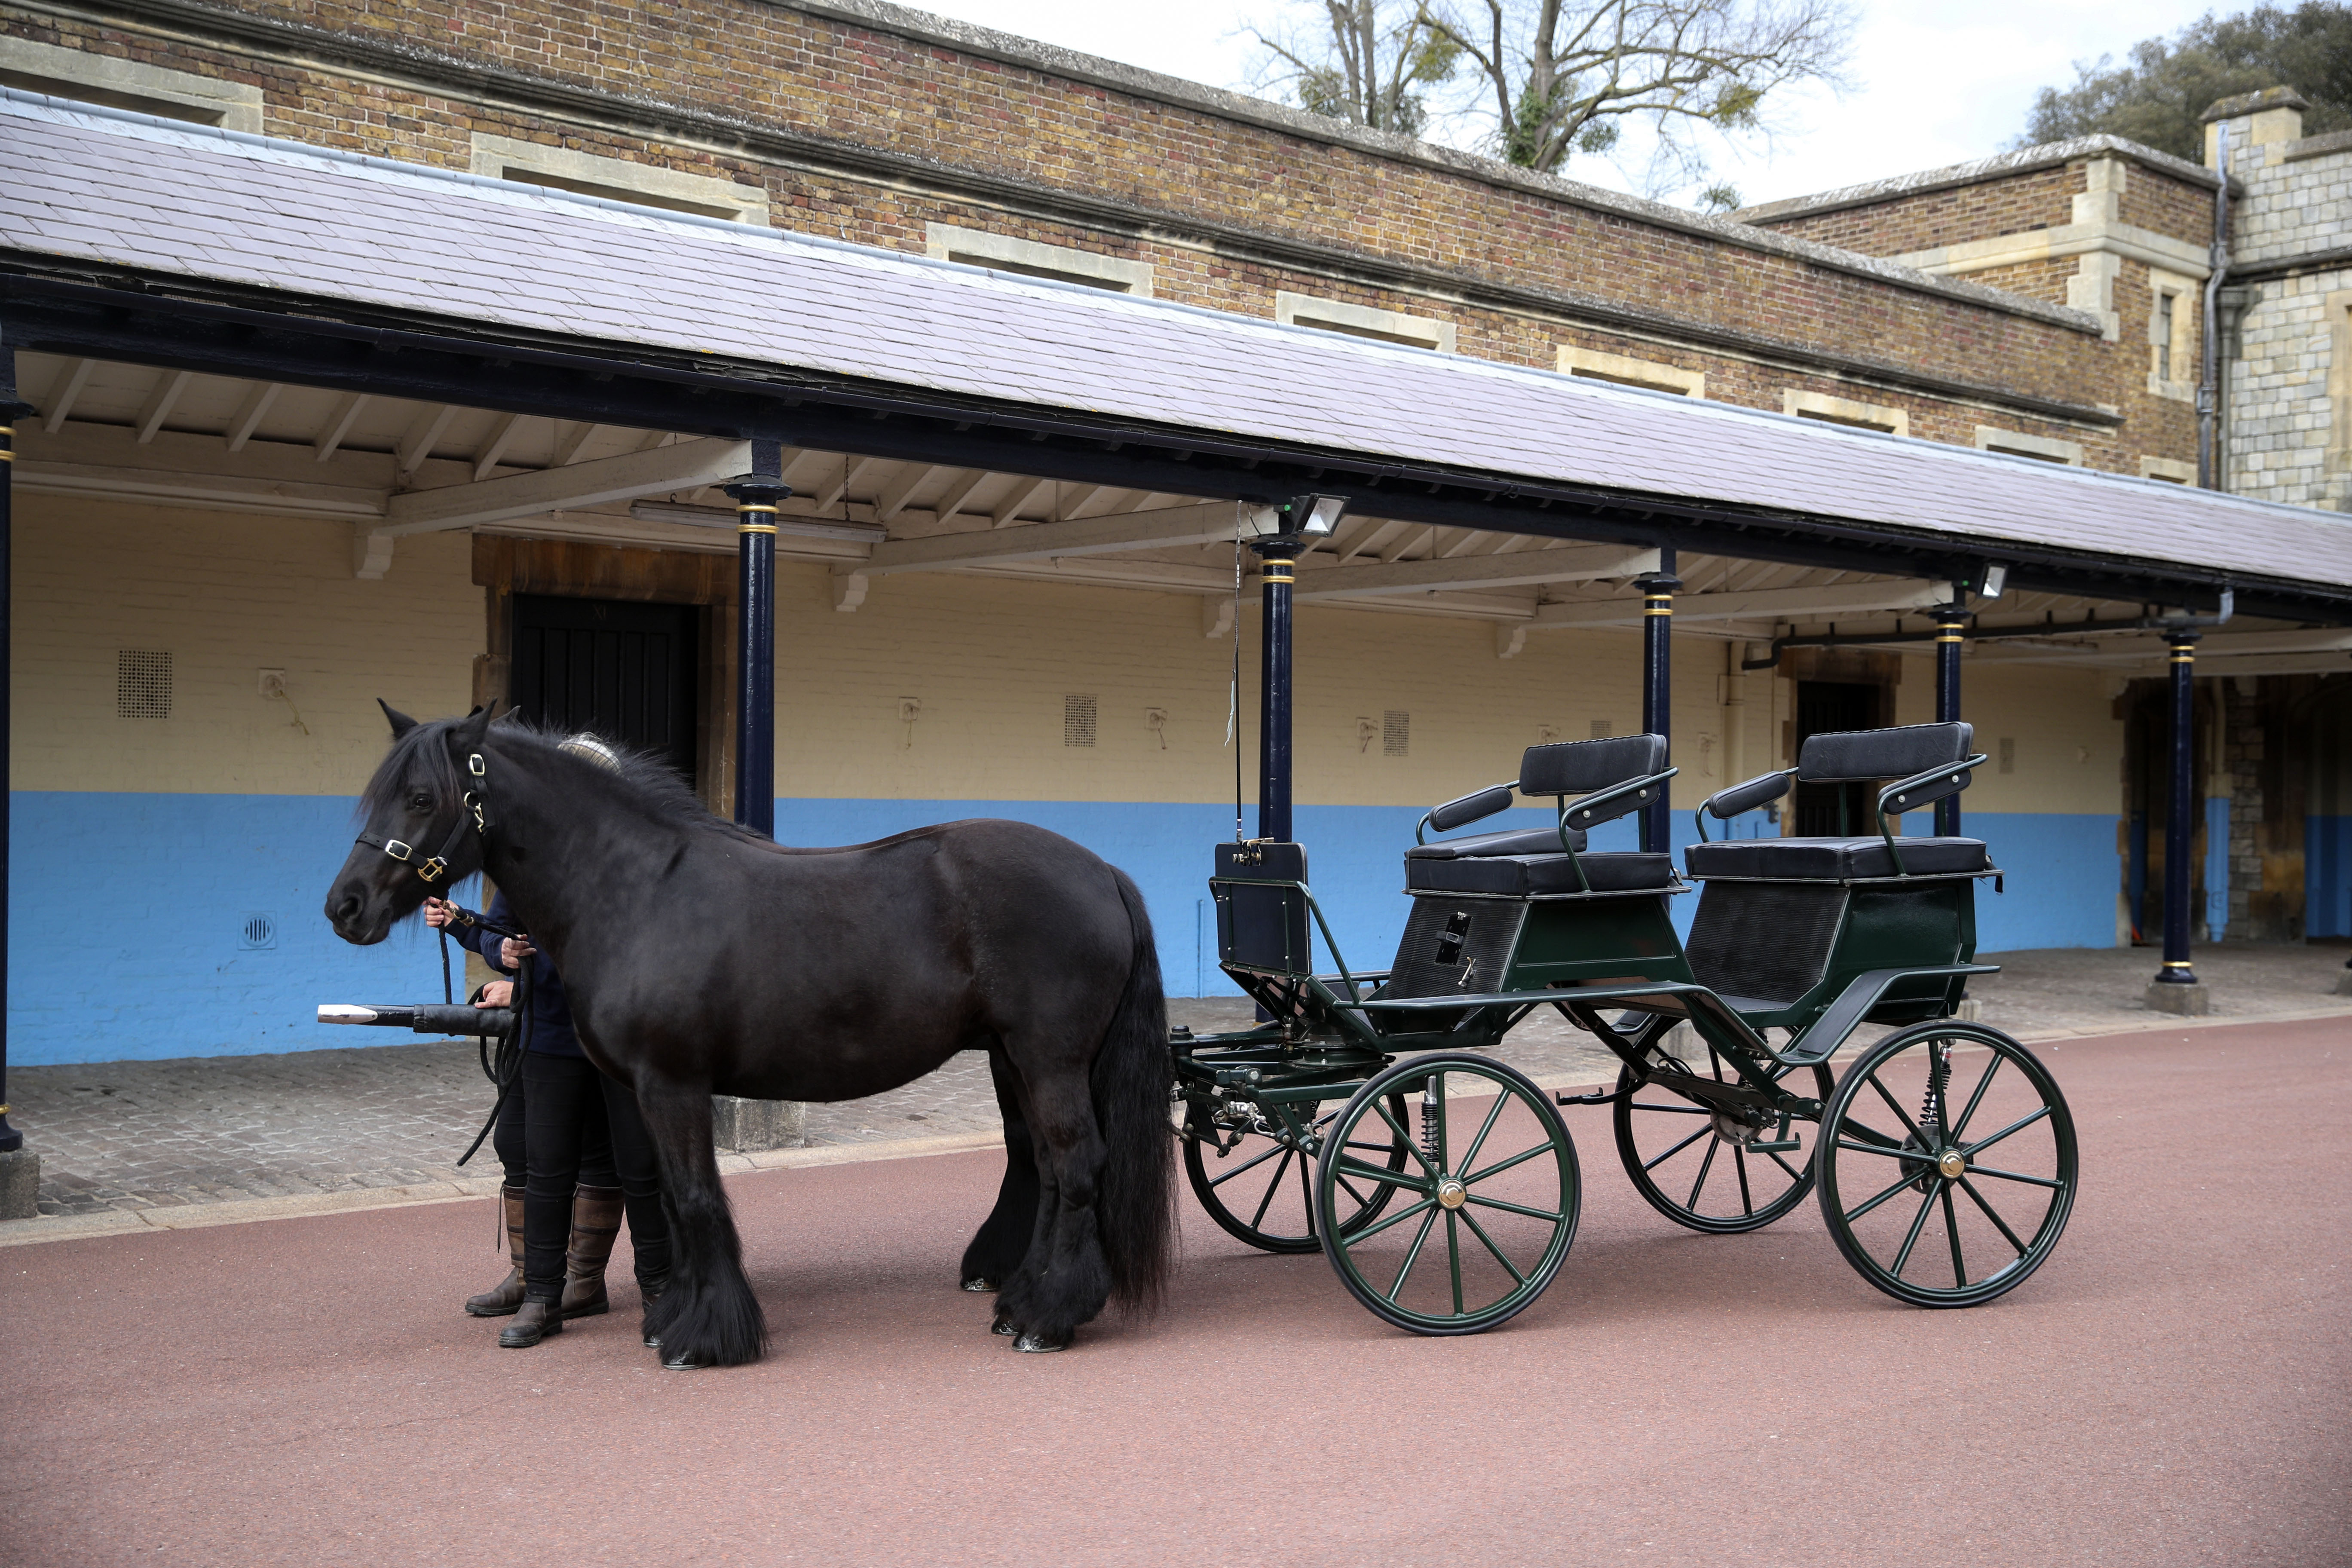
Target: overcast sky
[[1936, 83]]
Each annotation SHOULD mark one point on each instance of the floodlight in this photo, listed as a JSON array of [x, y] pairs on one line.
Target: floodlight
[[1307, 516], [1996, 577], [1316, 516]]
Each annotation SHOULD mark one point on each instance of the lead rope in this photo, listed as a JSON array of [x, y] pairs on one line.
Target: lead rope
[[507, 1069]]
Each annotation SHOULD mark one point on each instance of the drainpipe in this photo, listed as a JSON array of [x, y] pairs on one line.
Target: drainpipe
[[2209, 399]]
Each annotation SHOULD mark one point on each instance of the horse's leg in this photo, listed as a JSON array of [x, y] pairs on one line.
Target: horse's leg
[[1065, 1277], [1004, 1235], [707, 1316]]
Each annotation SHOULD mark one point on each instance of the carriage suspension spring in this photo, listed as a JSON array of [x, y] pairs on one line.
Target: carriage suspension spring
[[1433, 1106], [1939, 1075]]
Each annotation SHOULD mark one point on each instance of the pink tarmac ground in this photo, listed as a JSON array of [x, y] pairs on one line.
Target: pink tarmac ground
[[2171, 1388]]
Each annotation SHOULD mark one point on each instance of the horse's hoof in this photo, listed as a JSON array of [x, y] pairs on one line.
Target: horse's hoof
[[1037, 1344], [653, 1342], [682, 1363], [979, 1283], [1000, 1326]]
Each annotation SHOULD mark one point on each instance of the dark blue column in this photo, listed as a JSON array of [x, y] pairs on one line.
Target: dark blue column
[[1277, 559], [11, 410], [756, 499], [1658, 687], [2179, 811], [1950, 619]]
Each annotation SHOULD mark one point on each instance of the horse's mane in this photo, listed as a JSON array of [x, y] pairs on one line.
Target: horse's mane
[[648, 778]]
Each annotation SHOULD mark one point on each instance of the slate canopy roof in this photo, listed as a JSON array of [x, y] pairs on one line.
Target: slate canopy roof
[[129, 238]]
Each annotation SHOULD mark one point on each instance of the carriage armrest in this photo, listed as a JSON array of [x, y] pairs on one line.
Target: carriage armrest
[[1926, 788], [1620, 800], [1854, 1003], [1477, 806], [1726, 804]]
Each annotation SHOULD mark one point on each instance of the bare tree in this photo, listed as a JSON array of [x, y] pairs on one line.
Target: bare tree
[[1364, 61], [1563, 76]]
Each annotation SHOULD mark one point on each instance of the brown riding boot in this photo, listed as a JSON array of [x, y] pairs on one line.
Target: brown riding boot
[[505, 1299], [595, 1224], [534, 1321]]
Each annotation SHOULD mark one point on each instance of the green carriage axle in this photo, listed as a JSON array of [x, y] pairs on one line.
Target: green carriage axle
[[1364, 1118]]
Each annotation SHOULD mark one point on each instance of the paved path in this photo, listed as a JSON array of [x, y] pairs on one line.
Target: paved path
[[132, 1137], [2169, 1390]]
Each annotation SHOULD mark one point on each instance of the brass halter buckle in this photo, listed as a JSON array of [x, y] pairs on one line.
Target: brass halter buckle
[[398, 851]]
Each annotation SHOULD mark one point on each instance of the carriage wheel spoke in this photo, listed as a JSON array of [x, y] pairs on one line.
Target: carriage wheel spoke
[[1349, 1188], [1977, 1096], [1872, 1135], [1494, 1113], [1453, 1256], [1480, 1232], [1918, 1223], [1678, 1148], [1249, 1164], [1307, 1194], [1668, 1110], [1705, 1165], [1497, 1169], [1739, 1162], [2014, 1176], [1514, 1208], [1405, 1138], [1257, 1220], [1895, 1106], [1357, 1237], [1952, 1231], [1381, 1174], [1900, 1182], [1794, 1173], [1890, 1151], [2020, 1125], [1412, 1253], [2009, 1236]]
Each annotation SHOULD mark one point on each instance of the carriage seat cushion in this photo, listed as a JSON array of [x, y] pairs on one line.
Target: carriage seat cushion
[[1520, 875], [1520, 841], [1802, 858]]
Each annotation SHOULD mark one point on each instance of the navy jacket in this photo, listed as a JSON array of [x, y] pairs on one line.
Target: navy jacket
[[551, 1012]]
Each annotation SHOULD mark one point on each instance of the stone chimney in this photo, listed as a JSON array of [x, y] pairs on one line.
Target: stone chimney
[[2275, 119]]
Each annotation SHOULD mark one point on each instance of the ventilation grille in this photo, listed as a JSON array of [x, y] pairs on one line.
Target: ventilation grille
[[257, 932], [1603, 729], [1396, 732], [1078, 719], [142, 683]]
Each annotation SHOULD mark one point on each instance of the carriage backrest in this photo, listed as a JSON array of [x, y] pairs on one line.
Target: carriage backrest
[[1263, 927], [1845, 755], [1581, 767]]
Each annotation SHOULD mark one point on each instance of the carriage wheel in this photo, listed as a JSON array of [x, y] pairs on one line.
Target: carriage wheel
[[1262, 1191], [1690, 1164], [1969, 1124], [1486, 1211]]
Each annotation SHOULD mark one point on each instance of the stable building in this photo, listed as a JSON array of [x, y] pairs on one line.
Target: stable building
[[368, 355]]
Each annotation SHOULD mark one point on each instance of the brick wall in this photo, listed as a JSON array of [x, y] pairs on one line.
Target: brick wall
[[2041, 198]]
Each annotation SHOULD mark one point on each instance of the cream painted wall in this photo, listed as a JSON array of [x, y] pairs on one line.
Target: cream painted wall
[[227, 595], [992, 659]]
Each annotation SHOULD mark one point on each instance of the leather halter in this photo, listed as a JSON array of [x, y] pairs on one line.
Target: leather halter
[[433, 867]]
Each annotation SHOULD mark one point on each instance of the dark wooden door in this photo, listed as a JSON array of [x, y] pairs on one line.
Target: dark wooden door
[[1834, 810], [624, 671]]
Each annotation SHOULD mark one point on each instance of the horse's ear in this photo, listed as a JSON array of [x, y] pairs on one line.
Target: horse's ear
[[465, 734], [401, 722]]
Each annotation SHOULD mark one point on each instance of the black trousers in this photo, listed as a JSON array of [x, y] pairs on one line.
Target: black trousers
[[508, 1140], [560, 1089]]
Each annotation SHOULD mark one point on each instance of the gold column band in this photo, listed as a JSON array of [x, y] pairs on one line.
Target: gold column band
[[2178, 963], [768, 528], [1953, 637], [7, 455], [753, 506]]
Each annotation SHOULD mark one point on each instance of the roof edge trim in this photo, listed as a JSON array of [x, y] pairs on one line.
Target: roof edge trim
[[2025, 160]]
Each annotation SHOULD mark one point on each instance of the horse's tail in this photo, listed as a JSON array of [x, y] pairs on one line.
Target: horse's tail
[[1133, 1075]]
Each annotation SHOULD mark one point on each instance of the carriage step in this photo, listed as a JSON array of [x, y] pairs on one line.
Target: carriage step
[[1773, 1146]]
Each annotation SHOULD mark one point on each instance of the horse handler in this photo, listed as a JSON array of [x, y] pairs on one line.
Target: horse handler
[[566, 1110]]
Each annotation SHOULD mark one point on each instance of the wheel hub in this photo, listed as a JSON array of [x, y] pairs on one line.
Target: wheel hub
[[1952, 1164], [1452, 1193]]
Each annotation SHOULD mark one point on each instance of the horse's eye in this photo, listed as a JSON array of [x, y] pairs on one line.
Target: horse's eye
[[420, 801]]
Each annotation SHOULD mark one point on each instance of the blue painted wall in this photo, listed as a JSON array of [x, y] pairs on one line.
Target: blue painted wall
[[128, 909], [2327, 875]]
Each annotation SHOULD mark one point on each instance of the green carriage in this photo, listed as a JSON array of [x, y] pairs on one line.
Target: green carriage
[[1365, 1120]]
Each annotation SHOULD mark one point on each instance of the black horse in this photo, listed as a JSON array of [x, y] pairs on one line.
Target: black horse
[[700, 958]]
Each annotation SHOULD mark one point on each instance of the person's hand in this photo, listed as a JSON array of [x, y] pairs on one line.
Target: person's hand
[[513, 950], [440, 912], [497, 993]]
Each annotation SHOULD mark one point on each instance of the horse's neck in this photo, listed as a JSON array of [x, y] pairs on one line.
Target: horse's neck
[[565, 851]]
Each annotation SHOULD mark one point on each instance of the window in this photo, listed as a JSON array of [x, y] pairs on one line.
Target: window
[[1625, 371], [2174, 319], [618, 180], [126, 84], [1032, 259], [1846, 411], [2040, 448], [2172, 471], [1363, 321]]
